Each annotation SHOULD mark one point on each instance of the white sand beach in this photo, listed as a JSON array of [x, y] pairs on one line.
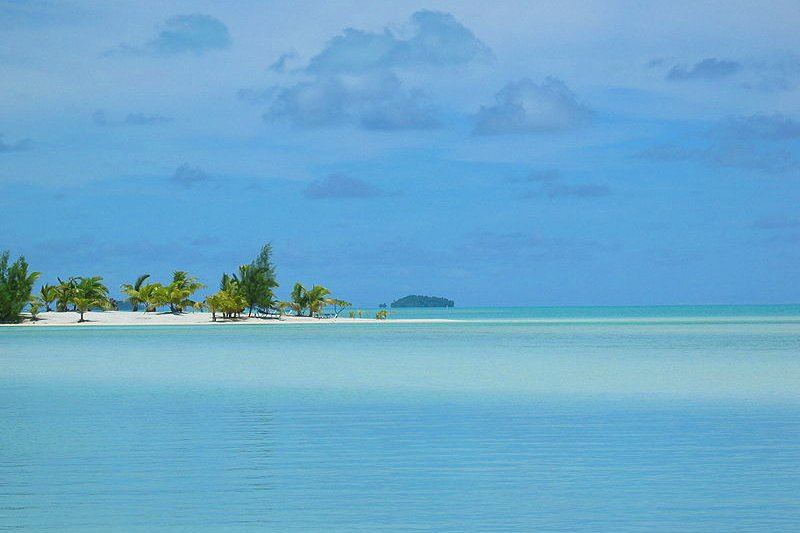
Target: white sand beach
[[128, 318]]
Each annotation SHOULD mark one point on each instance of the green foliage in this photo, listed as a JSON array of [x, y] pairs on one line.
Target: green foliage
[[16, 285], [382, 314], [63, 293], [415, 300], [314, 300], [264, 261], [338, 305], [150, 296], [133, 292], [88, 293], [34, 307], [229, 301], [255, 285], [177, 294], [47, 295]]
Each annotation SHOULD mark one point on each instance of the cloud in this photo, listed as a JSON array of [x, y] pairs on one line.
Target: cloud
[[551, 185], [187, 176], [582, 190], [353, 80], [257, 96], [434, 39], [728, 154], [372, 101], [340, 186], [141, 119], [537, 177], [19, 146], [100, 118], [525, 107], [775, 73], [280, 64], [756, 142], [487, 245], [709, 69], [183, 34], [767, 127], [776, 223], [667, 152]]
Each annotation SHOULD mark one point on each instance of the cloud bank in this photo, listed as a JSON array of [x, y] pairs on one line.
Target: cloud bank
[[340, 186], [18, 146], [435, 39], [184, 34], [709, 69], [526, 107]]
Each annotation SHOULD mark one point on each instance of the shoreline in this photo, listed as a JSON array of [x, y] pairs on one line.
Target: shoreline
[[199, 318]]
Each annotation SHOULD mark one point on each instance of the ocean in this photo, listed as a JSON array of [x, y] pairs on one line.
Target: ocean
[[637, 419]]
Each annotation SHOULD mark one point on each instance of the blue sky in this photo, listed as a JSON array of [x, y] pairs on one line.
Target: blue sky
[[548, 153]]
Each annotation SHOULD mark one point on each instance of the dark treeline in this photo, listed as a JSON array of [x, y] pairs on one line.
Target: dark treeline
[[251, 288]]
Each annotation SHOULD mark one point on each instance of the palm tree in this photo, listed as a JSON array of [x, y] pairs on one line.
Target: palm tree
[[89, 293], [47, 295], [317, 299], [149, 296], [299, 300], [176, 294], [63, 292], [133, 291], [314, 299]]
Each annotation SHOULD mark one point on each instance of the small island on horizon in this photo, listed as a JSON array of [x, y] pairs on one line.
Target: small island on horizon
[[415, 300]]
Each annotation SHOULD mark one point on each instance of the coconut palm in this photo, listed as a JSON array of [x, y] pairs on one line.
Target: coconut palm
[[314, 299], [176, 294], [133, 291], [89, 293], [317, 299], [299, 300], [150, 296], [63, 293], [47, 295]]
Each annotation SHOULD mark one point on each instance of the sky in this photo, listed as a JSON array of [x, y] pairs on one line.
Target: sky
[[518, 153]]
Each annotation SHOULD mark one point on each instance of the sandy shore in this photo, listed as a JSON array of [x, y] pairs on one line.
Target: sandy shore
[[127, 318]]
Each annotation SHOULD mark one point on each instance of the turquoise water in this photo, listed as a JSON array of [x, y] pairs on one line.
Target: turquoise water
[[573, 419]]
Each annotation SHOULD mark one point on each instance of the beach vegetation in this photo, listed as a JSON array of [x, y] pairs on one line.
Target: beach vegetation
[[88, 293], [313, 301], [16, 285], [382, 314], [63, 293], [229, 301], [47, 295], [177, 295], [34, 307], [133, 292], [255, 283], [149, 296]]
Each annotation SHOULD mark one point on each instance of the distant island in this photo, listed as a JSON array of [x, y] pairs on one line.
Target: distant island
[[415, 300]]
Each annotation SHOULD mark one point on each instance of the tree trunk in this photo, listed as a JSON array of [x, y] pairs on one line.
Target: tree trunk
[[81, 319]]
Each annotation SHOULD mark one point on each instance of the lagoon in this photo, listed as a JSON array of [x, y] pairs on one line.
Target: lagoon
[[528, 419]]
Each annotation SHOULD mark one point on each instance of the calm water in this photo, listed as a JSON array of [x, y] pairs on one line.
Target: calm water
[[553, 420]]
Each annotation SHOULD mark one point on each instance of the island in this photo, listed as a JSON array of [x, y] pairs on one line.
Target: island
[[415, 300]]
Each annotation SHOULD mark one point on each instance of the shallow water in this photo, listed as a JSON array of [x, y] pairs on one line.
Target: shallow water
[[530, 422]]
